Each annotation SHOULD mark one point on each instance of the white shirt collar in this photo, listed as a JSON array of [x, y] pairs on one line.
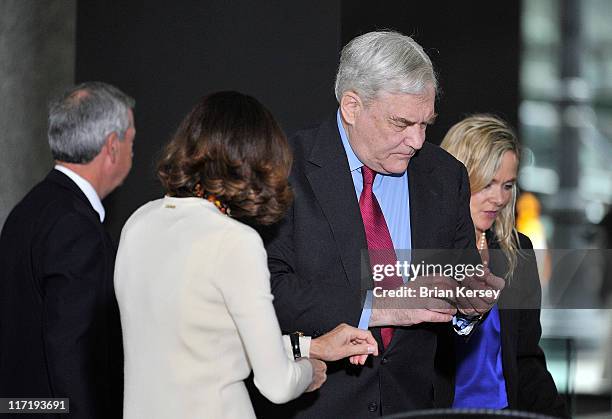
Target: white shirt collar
[[87, 189]]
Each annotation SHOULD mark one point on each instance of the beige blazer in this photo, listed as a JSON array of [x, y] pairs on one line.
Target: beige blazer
[[196, 311]]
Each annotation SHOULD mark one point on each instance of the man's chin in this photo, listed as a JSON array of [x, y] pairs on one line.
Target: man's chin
[[397, 168]]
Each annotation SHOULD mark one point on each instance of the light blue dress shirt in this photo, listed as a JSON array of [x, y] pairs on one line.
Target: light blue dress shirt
[[392, 194]]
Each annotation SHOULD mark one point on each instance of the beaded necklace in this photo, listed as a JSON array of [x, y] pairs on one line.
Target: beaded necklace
[[484, 254], [483, 241], [221, 206]]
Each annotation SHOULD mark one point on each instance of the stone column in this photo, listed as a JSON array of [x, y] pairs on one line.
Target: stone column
[[37, 55]]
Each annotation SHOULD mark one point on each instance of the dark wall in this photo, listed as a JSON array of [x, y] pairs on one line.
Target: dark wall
[[474, 46], [169, 54]]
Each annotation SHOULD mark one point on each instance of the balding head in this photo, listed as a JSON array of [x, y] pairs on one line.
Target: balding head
[[81, 119]]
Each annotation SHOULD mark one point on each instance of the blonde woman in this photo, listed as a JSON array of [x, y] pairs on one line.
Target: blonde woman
[[501, 365]]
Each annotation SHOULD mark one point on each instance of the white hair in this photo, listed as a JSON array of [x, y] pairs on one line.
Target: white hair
[[81, 119], [384, 61]]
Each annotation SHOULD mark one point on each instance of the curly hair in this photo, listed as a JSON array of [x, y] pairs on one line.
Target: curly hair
[[230, 146]]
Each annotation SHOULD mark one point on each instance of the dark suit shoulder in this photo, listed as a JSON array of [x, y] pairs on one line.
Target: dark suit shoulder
[[524, 242], [45, 205], [439, 156], [307, 132], [437, 165], [303, 141], [57, 192]]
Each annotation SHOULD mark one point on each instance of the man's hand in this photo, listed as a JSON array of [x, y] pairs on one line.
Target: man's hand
[[479, 305], [409, 317], [414, 308], [342, 342], [319, 374]]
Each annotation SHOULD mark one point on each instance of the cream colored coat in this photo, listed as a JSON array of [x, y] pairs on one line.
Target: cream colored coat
[[196, 311]]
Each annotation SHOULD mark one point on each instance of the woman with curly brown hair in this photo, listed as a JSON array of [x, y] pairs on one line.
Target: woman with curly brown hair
[[192, 280]]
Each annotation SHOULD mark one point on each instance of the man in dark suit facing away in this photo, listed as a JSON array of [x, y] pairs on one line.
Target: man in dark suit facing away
[[60, 334], [365, 179]]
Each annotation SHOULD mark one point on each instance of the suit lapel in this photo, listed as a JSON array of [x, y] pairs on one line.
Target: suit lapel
[[508, 322], [425, 193], [508, 318], [328, 173]]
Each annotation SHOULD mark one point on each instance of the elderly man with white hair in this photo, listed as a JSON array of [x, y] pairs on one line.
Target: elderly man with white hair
[[366, 180]]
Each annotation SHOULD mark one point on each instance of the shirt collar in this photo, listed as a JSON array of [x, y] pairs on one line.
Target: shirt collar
[[353, 160], [86, 188]]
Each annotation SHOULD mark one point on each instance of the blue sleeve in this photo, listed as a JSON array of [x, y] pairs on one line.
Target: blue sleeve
[[366, 313]]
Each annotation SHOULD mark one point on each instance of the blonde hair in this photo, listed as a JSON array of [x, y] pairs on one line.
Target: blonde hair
[[479, 142]]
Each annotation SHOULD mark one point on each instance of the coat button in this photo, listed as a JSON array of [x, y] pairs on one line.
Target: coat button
[[384, 360], [373, 406]]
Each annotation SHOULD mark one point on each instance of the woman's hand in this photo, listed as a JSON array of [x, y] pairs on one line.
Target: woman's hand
[[318, 374], [342, 342]]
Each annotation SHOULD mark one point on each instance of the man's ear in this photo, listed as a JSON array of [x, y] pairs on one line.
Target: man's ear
[[350, 106], [111, 147]]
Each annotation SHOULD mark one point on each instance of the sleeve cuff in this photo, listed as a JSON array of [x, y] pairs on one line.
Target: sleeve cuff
[[304, 346], [463, 325], [366, 313]]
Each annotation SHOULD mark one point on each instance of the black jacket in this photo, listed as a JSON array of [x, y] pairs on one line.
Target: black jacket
[[529, 385], [60, 334]]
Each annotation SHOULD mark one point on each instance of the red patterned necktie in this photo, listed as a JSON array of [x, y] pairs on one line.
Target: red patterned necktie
[[380, 246]]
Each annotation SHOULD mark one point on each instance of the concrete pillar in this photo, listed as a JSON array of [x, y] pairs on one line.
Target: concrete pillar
[[37, 55]]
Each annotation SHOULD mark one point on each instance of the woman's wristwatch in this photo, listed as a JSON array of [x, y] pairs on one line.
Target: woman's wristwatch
[[295, 344]]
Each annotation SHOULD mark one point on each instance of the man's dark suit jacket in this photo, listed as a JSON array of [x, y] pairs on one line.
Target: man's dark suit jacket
[[529, 385], [317, 276], [59, 325]]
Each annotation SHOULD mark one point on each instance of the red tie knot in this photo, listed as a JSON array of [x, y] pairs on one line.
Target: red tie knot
[[368, 175]]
